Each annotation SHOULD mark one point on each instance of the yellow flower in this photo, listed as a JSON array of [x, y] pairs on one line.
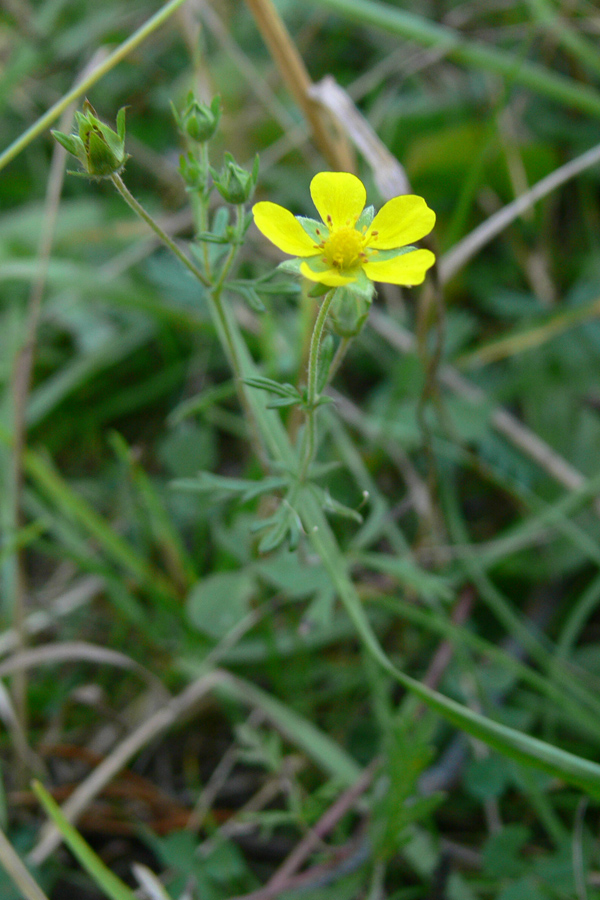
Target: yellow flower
[[350, 245]]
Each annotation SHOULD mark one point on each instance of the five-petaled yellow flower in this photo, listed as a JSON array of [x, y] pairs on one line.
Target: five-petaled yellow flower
[[350, 245]]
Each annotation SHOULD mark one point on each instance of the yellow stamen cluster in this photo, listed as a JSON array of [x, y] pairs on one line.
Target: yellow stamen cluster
[[344, 248]]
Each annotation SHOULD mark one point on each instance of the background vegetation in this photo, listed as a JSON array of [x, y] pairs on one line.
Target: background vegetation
[[209, 714]]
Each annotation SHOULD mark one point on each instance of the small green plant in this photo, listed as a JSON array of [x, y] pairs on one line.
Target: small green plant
[[342, 253]]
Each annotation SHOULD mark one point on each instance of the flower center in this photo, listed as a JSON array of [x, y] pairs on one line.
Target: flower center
[[343, 248]]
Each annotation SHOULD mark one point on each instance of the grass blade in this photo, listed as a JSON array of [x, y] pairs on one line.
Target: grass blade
[[112, 886]]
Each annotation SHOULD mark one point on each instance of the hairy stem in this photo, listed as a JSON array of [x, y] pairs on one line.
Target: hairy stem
[[312, 391], [169, 242]]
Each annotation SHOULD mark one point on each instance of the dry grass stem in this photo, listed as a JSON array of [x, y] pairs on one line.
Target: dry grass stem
[[389, 175], [78, 595], [17, 871], [293, 71], [456, 258], [173, 712], [77, 651]]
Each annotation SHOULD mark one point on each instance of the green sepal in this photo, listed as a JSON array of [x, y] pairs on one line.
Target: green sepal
[[234, 183], [99, 149], [365, 218], [71, 142], [197, 120], [292, 266], [363, 286], [315, 230], [350, 309], [384, 255], [317, 289]]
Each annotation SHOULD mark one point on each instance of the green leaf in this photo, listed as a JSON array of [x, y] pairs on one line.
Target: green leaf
[[502, 852], [209, 483], [573, 769], [524, 889], [338, 509], [250, 295], [294, 578], [274, 387], [219, 602], [487, 778]]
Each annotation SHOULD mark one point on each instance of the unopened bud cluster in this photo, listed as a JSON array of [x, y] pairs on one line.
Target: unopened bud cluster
[[198, 123], [101, 150]]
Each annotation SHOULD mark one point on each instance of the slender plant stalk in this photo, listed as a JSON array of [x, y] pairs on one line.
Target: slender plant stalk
[[338, 358], [167, 241], [17, 871], [312, 387], [218, 311], [559, 27], [80, 89]]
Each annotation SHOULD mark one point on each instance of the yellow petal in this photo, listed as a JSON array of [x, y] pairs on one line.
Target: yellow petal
[[399, 222], [283, 229], [407, 269], [330, 277], [339, 197]]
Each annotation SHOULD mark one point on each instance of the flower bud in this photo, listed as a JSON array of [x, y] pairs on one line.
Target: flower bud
[[99, 149], [235, 184], [349, 311], [199, 121]]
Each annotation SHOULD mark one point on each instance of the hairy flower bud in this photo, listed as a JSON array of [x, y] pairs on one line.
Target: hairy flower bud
[[99, 149], [198, 121], [235, 184]]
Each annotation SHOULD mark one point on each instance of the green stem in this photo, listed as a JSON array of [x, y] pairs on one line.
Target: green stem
[[169, 242], [338, 358], [203, 204], [200, 200], [312, 389], [221, 317], [82, 87], [217, 302]]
